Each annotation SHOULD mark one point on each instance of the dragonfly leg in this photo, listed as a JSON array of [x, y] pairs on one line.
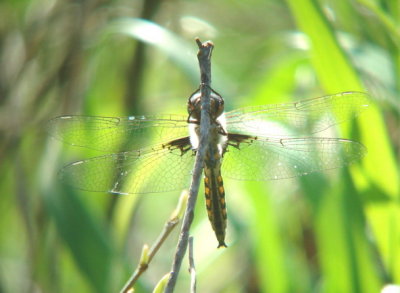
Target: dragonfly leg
[[183, 144], [235, 140]]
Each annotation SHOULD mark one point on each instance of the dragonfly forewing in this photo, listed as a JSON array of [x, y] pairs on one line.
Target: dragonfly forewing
[[117, 133], [301, 118]]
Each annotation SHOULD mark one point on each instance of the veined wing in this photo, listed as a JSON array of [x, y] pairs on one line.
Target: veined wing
[[261, 159], [296, 119], [158, 169], [115, 133]]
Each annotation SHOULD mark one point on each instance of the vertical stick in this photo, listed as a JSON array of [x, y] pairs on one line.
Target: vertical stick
[[192, 269], [204, 57]]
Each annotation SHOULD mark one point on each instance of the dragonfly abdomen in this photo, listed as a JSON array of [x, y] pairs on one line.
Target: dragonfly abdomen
[[215, 201]]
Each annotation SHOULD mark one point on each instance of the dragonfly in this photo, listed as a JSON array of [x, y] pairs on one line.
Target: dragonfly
[[256, 143]]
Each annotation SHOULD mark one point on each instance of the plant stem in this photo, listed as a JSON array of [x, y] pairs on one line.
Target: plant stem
[[204, 57]]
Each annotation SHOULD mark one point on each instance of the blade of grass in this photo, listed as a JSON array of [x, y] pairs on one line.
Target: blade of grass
[[336, 73]]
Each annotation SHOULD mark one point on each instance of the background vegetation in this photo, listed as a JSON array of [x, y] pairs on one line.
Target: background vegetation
[[332, 232]]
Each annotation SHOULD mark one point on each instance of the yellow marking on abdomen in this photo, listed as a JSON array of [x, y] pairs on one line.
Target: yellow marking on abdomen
[[215, 202]]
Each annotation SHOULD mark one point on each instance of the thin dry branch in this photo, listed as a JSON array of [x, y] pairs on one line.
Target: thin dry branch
[[204, 57], [192, 268], [147, 255]]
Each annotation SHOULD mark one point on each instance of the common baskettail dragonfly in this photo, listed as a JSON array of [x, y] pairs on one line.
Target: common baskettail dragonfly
[[256, 143]]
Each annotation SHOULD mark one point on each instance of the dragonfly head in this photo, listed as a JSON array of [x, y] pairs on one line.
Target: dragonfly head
[[194, 106]]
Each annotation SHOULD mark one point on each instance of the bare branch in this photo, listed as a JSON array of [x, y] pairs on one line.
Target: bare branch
[[204, 57], [147, 255], [192, 269]]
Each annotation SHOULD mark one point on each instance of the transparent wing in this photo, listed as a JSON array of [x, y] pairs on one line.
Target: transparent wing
[[299, 118], [261, 159], [159, 169], [114, 133]]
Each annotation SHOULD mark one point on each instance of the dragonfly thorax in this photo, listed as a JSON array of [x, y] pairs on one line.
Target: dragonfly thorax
[[217, 134]]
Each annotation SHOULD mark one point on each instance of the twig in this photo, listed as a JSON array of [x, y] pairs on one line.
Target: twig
[[147, 255], [192, 269], [204, 57]]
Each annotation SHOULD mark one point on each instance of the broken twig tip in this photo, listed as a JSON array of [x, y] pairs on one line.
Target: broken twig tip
[[206, 44], [199, 44]]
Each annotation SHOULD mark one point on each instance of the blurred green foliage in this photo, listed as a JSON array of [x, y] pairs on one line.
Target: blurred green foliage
[[330, 232]]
